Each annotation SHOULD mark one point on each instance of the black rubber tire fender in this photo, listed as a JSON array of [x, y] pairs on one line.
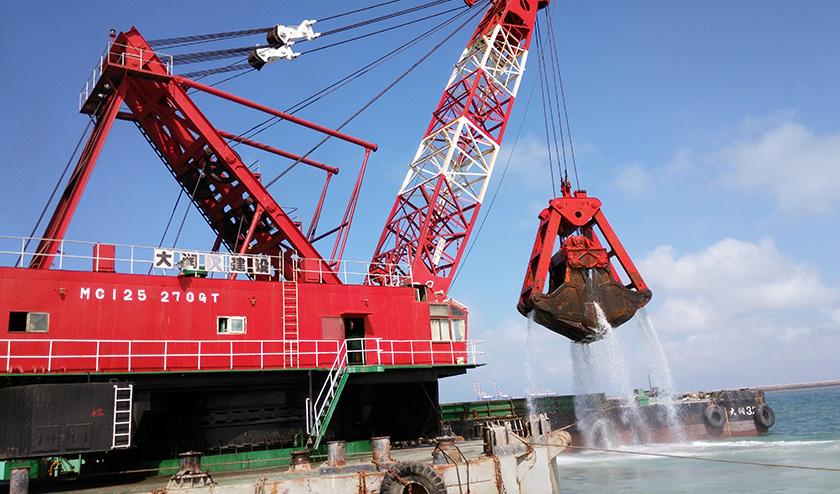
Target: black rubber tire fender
[[413, 474], [714, 416], [764, 417]]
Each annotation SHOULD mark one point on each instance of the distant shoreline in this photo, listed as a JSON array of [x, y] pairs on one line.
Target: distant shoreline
[[786, 387]]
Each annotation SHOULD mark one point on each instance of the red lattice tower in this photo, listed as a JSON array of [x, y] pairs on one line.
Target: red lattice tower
[[438, 203]]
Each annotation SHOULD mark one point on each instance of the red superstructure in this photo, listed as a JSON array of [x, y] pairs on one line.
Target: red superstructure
[[176, 326]]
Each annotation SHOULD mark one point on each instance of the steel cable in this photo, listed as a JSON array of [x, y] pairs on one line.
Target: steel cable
[[206, 56], [375, 98], [551, 139], [271, 121], [55, 188], [563, 95], [561, 153], [391, 28], [384, 17], [697, 458]]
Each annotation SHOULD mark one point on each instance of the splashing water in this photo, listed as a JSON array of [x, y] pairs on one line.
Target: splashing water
[[603, 366], [662, 375], [529, 373]]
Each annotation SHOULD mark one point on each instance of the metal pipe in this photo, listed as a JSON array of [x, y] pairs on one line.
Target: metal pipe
[[316, 216], [271, 111], [278, 152]]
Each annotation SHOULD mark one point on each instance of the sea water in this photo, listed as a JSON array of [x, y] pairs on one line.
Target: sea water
[[807, 432]]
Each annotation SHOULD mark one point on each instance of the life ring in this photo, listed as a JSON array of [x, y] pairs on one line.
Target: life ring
[[764, 417], [715, 418], [403, 476]]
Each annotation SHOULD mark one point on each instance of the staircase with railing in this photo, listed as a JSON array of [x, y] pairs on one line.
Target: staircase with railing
[[319, 412]]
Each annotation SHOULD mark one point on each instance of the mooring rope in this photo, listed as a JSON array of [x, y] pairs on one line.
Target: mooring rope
[[698, 458]]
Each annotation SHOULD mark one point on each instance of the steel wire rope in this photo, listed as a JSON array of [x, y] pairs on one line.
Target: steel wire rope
[[563, 97], [546, 106], [54, 191], [309, 100], [238, 65], [499, 185], [175, 42], [548, 116], [391, 28], [385, 17], [375, 98], [542, 47], [697, 458], [211, 55], [356, 11], [180, 41], [317, 97]]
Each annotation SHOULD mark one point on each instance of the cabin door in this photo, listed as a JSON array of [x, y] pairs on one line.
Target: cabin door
[[354, 332]]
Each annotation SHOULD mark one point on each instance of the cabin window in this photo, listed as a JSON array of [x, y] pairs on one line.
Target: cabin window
[[459, 330], [448, 329], [447, 322], [231, 324], [438, 310], [440, 330], [29, 322]]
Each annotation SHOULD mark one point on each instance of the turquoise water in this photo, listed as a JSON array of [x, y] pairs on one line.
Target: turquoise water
[[807, 432]]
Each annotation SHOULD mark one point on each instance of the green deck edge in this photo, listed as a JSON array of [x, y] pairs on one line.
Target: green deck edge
[[219, 463], [221, 371]]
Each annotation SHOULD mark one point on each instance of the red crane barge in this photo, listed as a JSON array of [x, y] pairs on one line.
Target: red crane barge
[[260, 339]]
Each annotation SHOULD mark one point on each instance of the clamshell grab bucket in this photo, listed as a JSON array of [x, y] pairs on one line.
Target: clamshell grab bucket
[[585, 295]]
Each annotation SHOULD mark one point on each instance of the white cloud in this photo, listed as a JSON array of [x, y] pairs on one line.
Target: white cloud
[[730, 278], [529, 163], [633, 179], [743, 313], [799, 167]]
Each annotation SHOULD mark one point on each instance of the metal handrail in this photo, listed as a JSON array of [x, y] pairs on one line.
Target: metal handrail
[[164, 60], [327, 391], [137, 258], [385, 352]]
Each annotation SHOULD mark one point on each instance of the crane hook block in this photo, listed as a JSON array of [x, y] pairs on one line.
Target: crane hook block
[[280, 39], [586, 294]]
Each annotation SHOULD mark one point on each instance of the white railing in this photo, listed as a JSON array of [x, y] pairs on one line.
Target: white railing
[[356, 272], [130, 55], [28, 355], [316, 411], [79, 255]]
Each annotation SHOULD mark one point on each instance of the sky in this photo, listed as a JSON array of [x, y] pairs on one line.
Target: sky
[[708, 129]]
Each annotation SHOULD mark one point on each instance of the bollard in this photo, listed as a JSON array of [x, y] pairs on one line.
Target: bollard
[[336, 454], [381, 449], [190, 474], [300, 461], [19, 483], [443, 451]]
